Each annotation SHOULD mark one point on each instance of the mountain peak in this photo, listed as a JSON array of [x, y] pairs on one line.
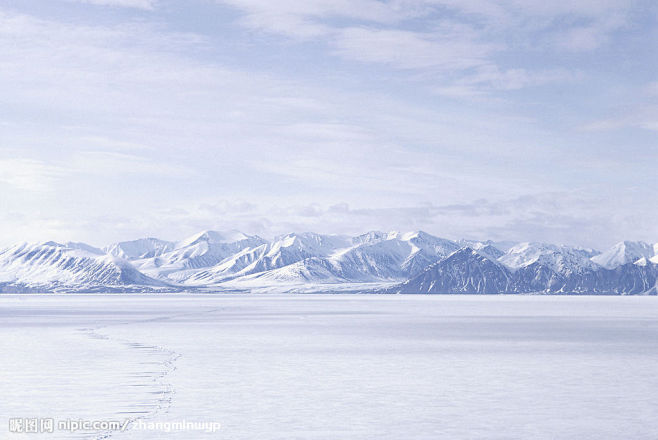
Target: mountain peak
[[558, 258], [463, 271], [410, 235], [369, 237], [84, 247], [140, 248], [213, 237], [624, 252]]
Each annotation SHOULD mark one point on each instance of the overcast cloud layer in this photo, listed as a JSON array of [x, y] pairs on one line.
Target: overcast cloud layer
[[511, 119]]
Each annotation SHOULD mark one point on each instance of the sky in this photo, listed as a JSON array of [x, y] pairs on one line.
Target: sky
[[524, 120]]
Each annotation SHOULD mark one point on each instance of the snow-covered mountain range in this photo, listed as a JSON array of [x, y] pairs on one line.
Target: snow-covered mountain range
[[410, 262]]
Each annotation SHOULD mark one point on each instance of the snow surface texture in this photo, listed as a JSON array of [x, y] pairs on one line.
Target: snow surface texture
[[411, 262], [334, 366]]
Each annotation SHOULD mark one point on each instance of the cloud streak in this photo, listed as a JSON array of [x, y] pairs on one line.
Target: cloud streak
[[137, 4]]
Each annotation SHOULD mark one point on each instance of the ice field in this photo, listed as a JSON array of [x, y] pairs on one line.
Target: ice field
[[332, 366]]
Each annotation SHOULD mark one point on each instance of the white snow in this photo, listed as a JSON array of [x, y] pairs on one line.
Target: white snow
[[560, 259], [384, 367], [52, 264], [623, 253], [308, 258], [141, 248], [196, 253], [213, 237]]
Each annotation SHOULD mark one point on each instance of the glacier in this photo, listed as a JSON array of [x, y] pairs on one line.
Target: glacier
[[377, 262]]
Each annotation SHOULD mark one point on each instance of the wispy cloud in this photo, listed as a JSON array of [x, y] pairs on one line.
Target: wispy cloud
[[102, 163], [307, 19], [638, 111], [591, 36], [30, 174], [138, 4], [457, 37], [412, 50], [489, 78], [36, 175]]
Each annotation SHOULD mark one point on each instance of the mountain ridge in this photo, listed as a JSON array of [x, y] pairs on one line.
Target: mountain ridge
[[400, 262]]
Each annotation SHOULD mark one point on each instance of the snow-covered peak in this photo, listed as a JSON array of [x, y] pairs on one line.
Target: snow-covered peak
[[419, 239], [200, 251], [422, 241], [81, 250], [469, 252], [391, 255], [488, 250], [141, 248], [41, 251], [397, 235], [524, 254], [411, 236], [84, 247], [416, 234], [463, 271], [503, 246], [558, 258], [214, 237], [624, 252], [308, 243], [369, 237], [49, 265]]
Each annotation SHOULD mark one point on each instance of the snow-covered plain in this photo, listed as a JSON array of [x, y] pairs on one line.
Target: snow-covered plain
[[334, 366]]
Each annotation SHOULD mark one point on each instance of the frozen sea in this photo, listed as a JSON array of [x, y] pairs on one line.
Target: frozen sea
[[332, 366]]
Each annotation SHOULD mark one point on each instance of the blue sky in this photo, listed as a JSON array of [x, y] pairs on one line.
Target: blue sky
[[520, 120]]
